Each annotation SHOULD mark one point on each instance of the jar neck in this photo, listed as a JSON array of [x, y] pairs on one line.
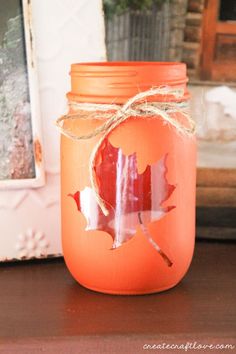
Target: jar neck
[[116, 82]]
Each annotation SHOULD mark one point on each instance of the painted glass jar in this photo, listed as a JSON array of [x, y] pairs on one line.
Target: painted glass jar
[[128, 156]]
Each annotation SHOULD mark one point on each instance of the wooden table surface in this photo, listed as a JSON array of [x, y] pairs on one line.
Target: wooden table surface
[[42, 309]]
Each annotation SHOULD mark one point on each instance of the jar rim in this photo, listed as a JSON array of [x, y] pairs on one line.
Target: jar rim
[[128, 63], [106, 82]]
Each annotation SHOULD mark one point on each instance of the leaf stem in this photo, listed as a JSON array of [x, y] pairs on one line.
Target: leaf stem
[[153, 243]]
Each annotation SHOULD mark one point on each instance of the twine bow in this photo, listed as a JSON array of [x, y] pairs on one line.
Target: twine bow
[[136, 107]]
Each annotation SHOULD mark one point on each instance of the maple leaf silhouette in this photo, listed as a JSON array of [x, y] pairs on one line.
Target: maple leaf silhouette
[[132, 199]]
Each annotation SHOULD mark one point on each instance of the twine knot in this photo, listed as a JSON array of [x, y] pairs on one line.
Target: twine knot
[[114, 115]]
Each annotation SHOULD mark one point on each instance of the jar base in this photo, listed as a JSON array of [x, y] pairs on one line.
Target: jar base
[[129, 292]]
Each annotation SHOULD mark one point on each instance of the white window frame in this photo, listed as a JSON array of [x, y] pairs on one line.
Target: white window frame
[[39, 179]]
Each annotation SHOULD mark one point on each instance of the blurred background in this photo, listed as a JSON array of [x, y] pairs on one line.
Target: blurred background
[[200, 33]]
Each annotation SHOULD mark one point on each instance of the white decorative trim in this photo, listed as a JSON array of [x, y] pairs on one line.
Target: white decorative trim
[[32, 243], [12, 201], [45, 202], [39, 179]]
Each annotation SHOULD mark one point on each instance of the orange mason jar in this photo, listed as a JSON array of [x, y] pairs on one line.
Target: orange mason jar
[[128, 175]]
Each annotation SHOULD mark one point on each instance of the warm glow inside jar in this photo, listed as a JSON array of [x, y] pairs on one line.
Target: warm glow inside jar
[[142, 171]]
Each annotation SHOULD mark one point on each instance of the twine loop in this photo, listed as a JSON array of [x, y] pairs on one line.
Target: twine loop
[[136, 107]]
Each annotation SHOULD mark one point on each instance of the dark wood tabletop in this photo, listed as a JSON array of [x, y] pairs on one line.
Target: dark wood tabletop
[[42, 309]]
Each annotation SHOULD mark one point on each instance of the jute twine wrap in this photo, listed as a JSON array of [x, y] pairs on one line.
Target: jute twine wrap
[[136, 107]]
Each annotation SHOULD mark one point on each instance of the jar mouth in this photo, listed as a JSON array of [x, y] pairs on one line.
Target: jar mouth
[[127, 63], [106, 82]]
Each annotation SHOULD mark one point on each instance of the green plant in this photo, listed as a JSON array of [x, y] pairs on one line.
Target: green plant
[[112, 7]]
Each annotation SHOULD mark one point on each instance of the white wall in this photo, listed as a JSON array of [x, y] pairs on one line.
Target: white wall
[[216, 128]]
